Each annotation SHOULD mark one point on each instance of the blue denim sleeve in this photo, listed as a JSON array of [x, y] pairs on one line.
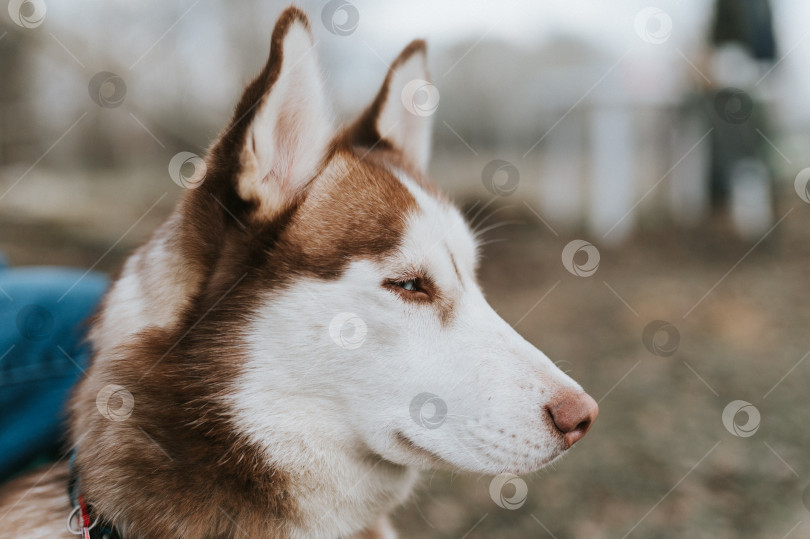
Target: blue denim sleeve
[[42, 355]]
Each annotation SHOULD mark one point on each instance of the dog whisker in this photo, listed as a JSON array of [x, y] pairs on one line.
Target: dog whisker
[[490, 215], [480, 232]]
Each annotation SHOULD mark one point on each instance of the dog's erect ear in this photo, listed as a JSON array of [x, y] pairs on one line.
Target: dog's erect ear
[[401, 114], [282, 125]]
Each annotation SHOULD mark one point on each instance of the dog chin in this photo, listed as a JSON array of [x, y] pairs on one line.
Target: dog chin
[[517, 468], [537, 465]]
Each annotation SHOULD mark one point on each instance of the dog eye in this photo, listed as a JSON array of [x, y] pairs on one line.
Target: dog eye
[[412, 289], [410, 285]]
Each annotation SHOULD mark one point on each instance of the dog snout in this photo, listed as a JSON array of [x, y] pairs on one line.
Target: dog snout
[[573, 413]]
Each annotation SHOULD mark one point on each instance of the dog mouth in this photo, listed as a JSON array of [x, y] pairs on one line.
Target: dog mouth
[[412, 447], [437, 461]]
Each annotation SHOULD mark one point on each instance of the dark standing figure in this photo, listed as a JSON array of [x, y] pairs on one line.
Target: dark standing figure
[[741, 179]]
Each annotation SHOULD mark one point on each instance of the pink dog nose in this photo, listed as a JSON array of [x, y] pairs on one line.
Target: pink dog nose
[[573, 413]]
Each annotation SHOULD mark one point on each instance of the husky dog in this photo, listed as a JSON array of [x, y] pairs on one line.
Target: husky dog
[[300, 338]]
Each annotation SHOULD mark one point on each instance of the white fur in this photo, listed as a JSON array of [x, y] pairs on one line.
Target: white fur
[[330, 415]]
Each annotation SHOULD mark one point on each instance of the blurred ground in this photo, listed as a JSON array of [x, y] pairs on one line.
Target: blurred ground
[[659, 460]]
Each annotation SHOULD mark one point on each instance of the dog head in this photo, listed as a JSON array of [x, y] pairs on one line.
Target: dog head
[[306, 330], [359, 304]]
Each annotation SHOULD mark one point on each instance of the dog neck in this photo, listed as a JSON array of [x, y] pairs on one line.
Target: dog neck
[[161, 454]]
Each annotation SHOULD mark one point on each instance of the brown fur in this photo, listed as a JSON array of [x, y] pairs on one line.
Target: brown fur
[[175, 467]]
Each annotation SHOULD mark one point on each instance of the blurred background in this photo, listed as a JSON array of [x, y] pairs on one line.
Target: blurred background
[[640, 169]]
